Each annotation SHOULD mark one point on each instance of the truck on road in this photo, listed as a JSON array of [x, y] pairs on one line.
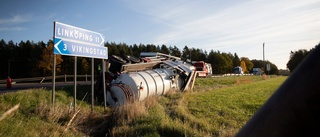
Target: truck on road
[[203, 69]]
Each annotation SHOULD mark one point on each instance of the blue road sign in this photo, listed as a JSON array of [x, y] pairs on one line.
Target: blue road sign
[[72, 33], [78, 49], [74, 41]]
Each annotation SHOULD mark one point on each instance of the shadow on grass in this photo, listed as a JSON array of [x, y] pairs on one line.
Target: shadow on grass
[[83, 93]]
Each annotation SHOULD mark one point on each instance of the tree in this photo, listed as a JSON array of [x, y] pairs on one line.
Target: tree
[[202, 55], [164, 49], [136, 51], [67, 66], [9, 58], [295, 58], [194, 55], [186, 53], [174, 51], [243, 66], [123, 50], [221, 63], [259, 64], [3, 59], [112, 49], [151, 48], [2, 44], [228, 63], [45, 64], [27, 53], [84, 66], [262, 64], [236, 60], [248, 63]]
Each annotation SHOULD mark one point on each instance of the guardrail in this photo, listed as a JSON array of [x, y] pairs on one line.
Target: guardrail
[[86, 77], [64, 78], [229, 74]]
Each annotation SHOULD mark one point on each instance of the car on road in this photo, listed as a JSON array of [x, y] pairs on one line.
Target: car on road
[[257, 71], [238, 70]]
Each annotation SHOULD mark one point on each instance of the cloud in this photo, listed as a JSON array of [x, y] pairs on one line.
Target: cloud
[[16, 19], [9, 29], [240, 23], [9, 24], [236, 26]]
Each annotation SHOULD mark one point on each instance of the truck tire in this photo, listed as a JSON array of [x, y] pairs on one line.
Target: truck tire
[[118, 59], [133, 59]]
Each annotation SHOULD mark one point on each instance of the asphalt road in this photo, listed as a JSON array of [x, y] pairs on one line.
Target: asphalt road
[[21, 86]]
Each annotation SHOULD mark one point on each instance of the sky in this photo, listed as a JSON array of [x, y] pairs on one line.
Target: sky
[[231, 26]]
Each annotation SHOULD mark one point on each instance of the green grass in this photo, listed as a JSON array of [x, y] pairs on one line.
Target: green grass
[[226, 110], [216, 107], [35, 117]]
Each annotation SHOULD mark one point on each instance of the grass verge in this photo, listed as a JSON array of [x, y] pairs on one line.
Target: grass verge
[[216, 107]]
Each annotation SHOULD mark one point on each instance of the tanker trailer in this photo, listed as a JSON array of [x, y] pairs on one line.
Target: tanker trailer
[[134, 82]]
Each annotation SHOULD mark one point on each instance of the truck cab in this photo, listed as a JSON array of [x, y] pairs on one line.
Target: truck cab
[[238, 70]]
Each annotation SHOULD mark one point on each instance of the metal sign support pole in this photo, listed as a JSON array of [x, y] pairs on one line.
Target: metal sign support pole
[[53, 70], [75, 84], [53, 80], [104, 83], [92, 84]]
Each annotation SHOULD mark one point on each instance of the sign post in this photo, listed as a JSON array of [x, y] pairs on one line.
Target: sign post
[[75, 85], [92, 83], [53, 81], [73, 41], [104, 85], [268, 67]]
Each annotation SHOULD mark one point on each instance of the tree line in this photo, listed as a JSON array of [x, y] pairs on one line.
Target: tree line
[[297, 56], [34, 59]]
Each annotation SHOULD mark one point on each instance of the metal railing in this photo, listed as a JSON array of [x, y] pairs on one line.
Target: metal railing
[[64, 78]]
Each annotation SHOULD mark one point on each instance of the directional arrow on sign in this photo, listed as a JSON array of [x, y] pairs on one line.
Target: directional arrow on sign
[[56, 46], [60, 47]]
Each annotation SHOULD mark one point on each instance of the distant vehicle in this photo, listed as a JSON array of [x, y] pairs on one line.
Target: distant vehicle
[[238, 70], [203, 69], [209, 67], [257, 71]]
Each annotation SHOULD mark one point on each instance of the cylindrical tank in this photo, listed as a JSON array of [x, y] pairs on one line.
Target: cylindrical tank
[[139, 85], [118, 95]]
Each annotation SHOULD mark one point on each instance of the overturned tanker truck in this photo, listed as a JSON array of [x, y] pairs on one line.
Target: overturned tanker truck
[[133, 79]]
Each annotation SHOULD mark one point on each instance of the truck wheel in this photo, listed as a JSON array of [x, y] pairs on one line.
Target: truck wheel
[[133, 59], [118, 59]]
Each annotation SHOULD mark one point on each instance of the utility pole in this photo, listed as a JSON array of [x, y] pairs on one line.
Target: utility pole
[[267, 65], [263, 51]]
